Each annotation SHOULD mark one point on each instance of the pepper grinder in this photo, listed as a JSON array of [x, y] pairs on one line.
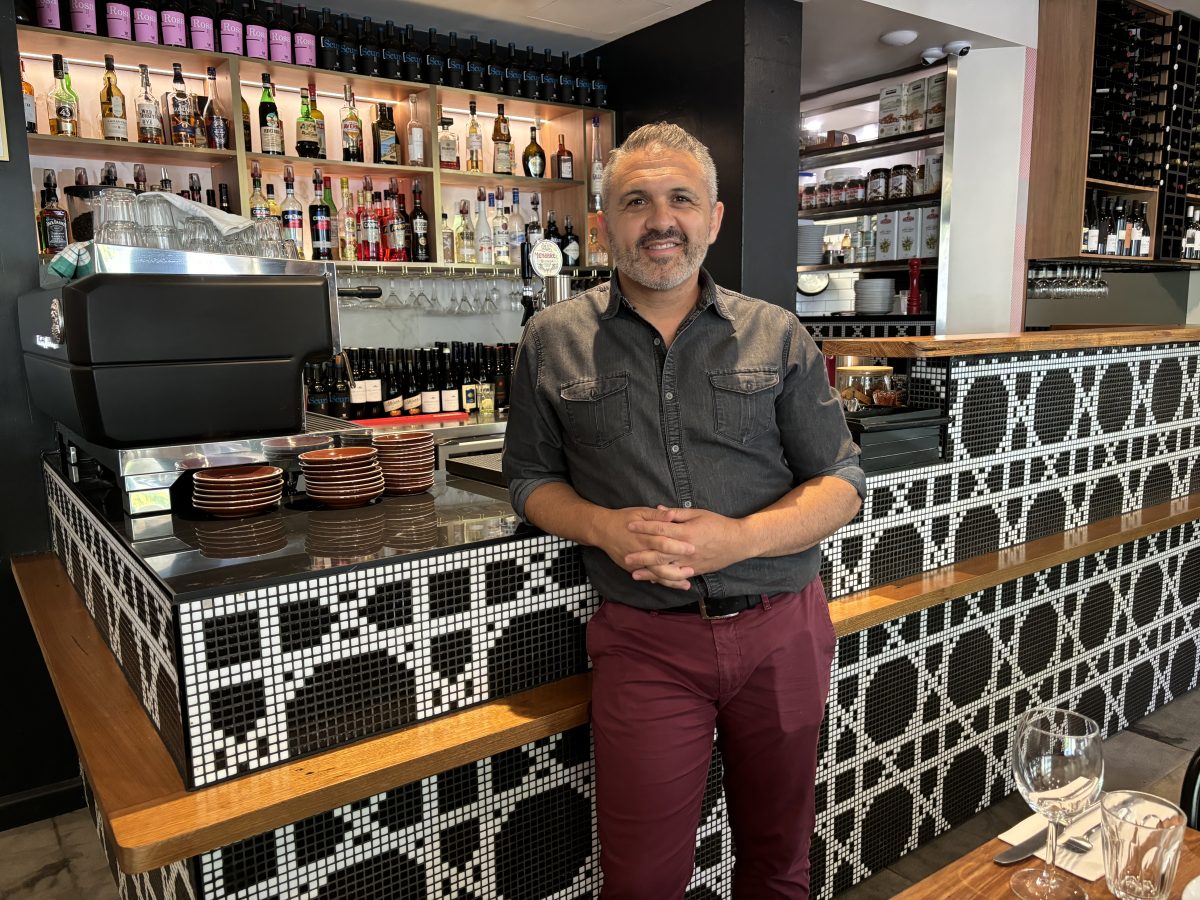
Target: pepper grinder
[[914, 286]]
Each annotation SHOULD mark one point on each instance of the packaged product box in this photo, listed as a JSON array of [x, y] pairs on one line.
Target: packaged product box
[[935, 101], [913, 115], [891, 111], [885, 236], [908, 234], [931, 223]]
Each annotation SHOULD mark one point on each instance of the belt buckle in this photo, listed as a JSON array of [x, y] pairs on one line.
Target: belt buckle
[[704, 612]]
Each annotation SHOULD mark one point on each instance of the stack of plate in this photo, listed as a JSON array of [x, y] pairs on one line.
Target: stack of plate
[[237, 491], [874, 296], [342, 477], [359, 437], [285, 453], [810, 248], [411, 523], [344, 534], [237, 540], [407, 461]]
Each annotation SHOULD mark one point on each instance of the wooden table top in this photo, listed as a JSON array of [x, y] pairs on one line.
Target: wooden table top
[[1016, 342], [975, 875]]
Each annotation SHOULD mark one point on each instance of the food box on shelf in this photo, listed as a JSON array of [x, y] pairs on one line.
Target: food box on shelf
[[885, 236], [935, 101], [913, 115], [931, 223], [891, 111], [908, 234]]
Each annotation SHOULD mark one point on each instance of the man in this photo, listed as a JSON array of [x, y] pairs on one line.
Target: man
[[688, 438]]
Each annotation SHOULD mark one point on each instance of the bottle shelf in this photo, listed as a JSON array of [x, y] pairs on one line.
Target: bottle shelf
[[89, 50], [833, 213], [520, 110], [99, 150], [889, 146], [335, 168], [1119, 187], [457, 178], [898, 265]]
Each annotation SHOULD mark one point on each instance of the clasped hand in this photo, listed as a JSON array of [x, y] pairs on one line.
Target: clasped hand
[[670, 546]]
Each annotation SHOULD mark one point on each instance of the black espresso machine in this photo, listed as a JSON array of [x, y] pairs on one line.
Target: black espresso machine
[[163, 362]]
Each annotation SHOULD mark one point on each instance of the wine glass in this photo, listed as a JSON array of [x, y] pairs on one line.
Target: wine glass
[[392, 301], [1059, 768], [410, 302]]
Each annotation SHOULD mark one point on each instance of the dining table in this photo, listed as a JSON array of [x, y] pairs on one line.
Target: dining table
[[975, 875]]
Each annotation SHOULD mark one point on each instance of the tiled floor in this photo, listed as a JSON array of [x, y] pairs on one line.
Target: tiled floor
[[60, 859]]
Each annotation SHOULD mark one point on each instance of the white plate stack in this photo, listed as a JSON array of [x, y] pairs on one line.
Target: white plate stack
[[809, 244], [874, 296]]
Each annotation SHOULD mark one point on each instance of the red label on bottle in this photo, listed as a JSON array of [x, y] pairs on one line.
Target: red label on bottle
[[202, 33], [47, 14], [83, 16], [119, 26], [174, 29], [281, 45], [306, 49], [231, 37], [256, 42], [145, 25]]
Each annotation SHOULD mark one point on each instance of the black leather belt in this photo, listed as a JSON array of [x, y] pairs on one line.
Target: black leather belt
[[718, 607]]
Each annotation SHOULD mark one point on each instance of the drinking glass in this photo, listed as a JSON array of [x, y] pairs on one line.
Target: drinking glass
[[122, 234], [160, 238], [154, 210], [116, 205], [1059, 768], [1142, 835]]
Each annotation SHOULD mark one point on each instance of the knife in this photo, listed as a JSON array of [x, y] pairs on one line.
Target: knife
[[1023, 850]]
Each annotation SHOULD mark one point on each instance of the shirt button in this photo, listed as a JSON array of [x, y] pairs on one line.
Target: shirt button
[[687, 504], [674, 448], [670, 396], [657, 341]]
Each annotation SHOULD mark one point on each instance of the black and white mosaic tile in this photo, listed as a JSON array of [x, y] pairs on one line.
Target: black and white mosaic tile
[[287, 670], [827, 331]]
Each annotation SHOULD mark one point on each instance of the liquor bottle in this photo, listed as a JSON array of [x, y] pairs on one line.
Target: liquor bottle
[[230, 27], [412, 60], [468, 382], [597, 253], [195, 189], [464, 239], [435, 62], [494, 73], [421, 249], [149, 118], [370, 239], [516, 228], [393, 390], [279, 35], [347, 45], [352, 136], [257, 31], [258, 201], [501, 248], [304, 38], [118, 20], [431, 393], [63, 103], [531, 75], [564, 160], [597, 165], [456, 66], [216, 126], [30, 101], [534, 158], [570, 245], [447, 253], [139, 178], [447, 143], [552, 232], [514, 73], [533, 230], [327, 200], [474, 144], [474, 66], [383, 136], [348, 223], [223, 195], [52, 218], [549, 89], [291, 212], [173, 22], [373, 386], [502, 157], [410, 385], [329, 44], [83, 16], [450, 385], [414, 134], [583, 85], [113, 126], [484, 247], [145, 21], [270, 128], [368, 48], [390, 52], [318, 118], [272, 203], [566, 80], [308, 141], [599, 86], [202, 25]]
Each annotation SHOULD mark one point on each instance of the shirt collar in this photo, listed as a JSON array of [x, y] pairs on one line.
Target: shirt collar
[[710, 295]]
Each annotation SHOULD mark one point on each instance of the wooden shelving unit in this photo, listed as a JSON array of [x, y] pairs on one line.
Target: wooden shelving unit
[[889, 146]]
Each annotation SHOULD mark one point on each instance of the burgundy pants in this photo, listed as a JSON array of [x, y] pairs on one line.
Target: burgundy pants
[[660, 684]]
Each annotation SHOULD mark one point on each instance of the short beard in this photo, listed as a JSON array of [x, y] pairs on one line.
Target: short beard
[[654, 275]]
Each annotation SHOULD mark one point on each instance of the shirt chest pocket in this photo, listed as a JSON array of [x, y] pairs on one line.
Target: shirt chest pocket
[[597, 409], [743, 402]]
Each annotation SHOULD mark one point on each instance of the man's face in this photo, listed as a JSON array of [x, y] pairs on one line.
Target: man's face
[[660, 218]]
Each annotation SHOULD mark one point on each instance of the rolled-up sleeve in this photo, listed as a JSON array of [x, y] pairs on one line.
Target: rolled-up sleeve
[[533, 449], [816, 440]]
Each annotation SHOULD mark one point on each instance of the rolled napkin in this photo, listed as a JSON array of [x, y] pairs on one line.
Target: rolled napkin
[[73, 261], [1088, 866]]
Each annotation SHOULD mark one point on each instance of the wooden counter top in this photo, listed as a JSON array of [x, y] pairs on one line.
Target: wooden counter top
[[1025, 342]]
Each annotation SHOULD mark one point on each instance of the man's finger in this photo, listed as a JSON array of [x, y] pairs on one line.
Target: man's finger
[[647, 558], [675, 584]]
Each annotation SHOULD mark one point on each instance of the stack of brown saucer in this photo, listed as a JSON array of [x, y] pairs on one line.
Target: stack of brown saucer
[[342, 477], [238, 540], [237, 491], [407, 461]]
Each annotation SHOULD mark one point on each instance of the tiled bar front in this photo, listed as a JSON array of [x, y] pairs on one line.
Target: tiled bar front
[[920, 711]]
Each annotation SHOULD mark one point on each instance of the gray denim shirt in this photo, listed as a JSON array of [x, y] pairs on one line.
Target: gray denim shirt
[[733, 416]]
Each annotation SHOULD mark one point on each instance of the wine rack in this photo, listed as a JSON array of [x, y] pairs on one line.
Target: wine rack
[[1178, 169]]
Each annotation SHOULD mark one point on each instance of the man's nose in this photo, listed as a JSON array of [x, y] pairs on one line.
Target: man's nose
[[661, 218]]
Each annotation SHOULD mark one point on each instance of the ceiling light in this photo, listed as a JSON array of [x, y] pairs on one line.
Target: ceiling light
[[901, 38]]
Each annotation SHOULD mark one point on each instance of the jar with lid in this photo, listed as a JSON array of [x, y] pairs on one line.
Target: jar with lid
[[856, 190], [901, 182], [808, 197], [837, 193], [857, 385], [877, 184], [824, 195]]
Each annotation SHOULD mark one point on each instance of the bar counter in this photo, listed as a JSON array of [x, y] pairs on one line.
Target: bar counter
[[306, 704]]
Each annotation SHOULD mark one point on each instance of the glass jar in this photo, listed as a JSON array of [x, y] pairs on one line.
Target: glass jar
[[808, 198], [877, 184], [901, 182], [857, 385], [824, 195], [856, 190], [837, 194]]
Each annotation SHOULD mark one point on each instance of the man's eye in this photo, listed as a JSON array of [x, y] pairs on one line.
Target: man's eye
[[636, 201], [682, 198]]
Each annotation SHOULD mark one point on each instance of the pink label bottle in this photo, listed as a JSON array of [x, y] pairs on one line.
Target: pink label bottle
[[145, 23], [232, 37], [174, 28], [306, 49], [83, 16], [257, 42], [281, 45], [48, 14], [201, 30], [118, 18]]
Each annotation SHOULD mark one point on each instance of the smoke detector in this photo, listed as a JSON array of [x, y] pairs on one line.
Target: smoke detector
[[901, 38]]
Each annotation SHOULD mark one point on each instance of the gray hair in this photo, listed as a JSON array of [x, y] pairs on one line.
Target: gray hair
[[661, 136]]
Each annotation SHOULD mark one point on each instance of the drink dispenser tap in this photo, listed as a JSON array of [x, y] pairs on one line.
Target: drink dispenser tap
[[544, 259]]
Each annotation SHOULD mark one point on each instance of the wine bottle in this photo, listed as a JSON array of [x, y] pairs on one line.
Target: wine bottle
[[202, 16], [475, 66], [329, 44], [257, 32], [279, 36], [368, 48], [456, 66]]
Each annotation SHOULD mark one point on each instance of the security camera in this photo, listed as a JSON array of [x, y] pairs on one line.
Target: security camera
[[957, 48], [931, 55]]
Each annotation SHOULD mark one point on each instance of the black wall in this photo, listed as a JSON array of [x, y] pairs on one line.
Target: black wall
[[39, 772], [729, 72]]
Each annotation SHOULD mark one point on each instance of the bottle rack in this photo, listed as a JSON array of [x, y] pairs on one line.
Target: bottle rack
[[1178, 176], [239, 78]]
